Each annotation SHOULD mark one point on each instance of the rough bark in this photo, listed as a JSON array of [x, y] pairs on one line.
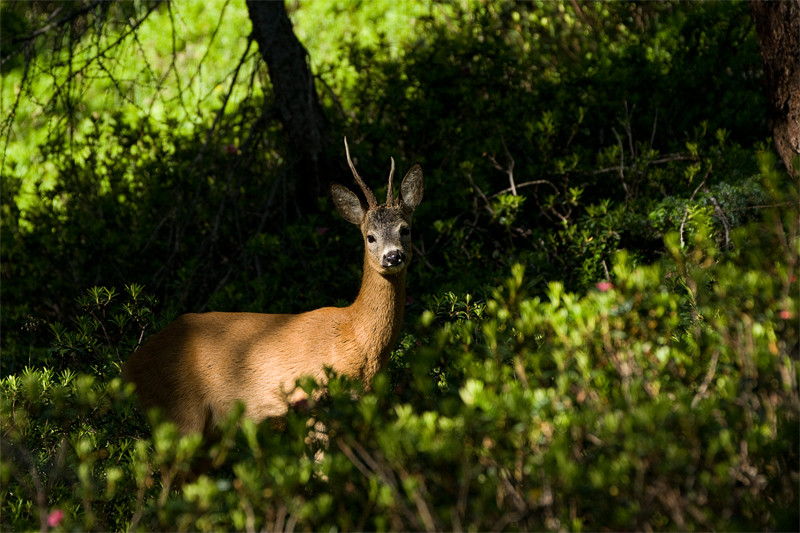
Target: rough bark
[[296, 103], [778, 29]]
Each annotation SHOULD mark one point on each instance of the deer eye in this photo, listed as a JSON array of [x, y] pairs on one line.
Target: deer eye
[[370, 239], [405, 230]]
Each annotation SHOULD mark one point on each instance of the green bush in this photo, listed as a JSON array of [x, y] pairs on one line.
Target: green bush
[[602, 329], [578, 107], [664, 399]]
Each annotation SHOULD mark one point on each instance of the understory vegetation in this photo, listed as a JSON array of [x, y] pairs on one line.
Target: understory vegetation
[[601, 330]]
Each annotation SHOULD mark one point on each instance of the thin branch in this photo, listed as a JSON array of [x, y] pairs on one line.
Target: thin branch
[[509, 170], [666, 159], [334, 97], [579, 11], [210, 40], [131, 29], [151, 74], [369, 467], [628, 130], [653, 133], [488, 204], [605, 269], [221, 111], [621, 168], [463, 495], [29, 39], [721, 214], [422, 506], [707, 380], [420, 254], [9, 121], [174, 60], [525, 184], [764, 206], [117, 85]]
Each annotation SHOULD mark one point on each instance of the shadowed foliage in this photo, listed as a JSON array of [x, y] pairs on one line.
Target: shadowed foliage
[[601, 325]]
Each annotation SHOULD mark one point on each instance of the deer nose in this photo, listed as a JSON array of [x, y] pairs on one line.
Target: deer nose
[[394, 258]]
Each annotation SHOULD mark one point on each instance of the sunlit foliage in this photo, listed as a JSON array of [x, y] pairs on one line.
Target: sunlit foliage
[[602, 327]]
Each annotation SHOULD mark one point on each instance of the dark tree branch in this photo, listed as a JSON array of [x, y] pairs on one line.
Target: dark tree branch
[[29, 39], [295, 98], [100, 54], [221, 111]]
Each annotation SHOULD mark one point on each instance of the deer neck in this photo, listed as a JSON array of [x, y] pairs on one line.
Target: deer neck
[[377, 315]]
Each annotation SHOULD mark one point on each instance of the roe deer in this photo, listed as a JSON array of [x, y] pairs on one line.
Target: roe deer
[[196, 368]]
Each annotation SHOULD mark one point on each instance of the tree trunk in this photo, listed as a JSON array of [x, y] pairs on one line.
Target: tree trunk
[[778, 29], [295, 100]]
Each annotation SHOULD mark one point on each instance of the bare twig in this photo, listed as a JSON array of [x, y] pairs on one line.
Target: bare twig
[[578, 11], [369, 466], [666, 159], [419, 501], [764, 206], [525, 184], [509, 169], [9, 121], [628, 130], [621, 168], [30, 38], [653, 132], [712, 369], [605, 269], [721, 214], [463, 494], [210, 40], [174, 58], [334, 97], [131, 29], [487, 204], [221, 111], [421, 254]]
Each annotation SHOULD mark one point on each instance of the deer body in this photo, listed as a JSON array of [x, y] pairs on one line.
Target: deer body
[[196, 368]]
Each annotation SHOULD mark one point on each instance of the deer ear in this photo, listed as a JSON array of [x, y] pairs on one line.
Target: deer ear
[[412, 187], [347, 204]]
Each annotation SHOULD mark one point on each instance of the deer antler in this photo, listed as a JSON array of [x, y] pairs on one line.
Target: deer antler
[[390, 190], [371, 201]]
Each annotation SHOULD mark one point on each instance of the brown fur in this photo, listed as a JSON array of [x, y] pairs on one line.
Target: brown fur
[[196, 368]]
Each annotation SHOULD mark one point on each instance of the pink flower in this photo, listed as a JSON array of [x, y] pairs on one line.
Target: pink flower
[[604, 285], [55, 517], [322, 230], [785, 314], [231, 149]]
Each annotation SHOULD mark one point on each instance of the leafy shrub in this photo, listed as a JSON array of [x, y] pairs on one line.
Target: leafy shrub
[[663, 399], [638, 368], [589, 137]]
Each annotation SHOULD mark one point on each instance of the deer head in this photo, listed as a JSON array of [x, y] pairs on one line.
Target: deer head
[[386, 228]]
